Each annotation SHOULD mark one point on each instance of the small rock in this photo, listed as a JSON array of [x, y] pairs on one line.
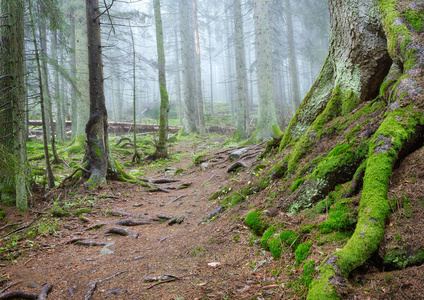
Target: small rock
[[236, 154], [33, 285], [106, 251], [214, 264], [137, 204], [114, 292], [204, 166]]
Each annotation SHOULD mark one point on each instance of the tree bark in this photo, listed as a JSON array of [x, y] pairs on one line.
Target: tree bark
[[294, 76], [375, 55], [12, 114], [199, 89], [96, 129], [267, 126], [161, 147], [242, 103], [189, 80]]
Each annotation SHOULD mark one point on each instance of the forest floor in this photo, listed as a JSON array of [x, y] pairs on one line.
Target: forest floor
[[209, 255]]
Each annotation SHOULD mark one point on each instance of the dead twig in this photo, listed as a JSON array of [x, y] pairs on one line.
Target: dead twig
[[9, 225], [179, 197], [20, 228], [72, 175], [208, 180], [9, 286]]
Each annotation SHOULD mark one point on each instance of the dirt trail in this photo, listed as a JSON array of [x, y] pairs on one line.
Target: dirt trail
[[181, 251]]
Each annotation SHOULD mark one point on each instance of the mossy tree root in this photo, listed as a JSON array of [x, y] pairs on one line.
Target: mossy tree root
[[394, 135]]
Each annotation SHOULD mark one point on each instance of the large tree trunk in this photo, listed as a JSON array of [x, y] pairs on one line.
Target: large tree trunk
[[242, 102], [267, 126], [161, 148], [375, 57], [199, 89], [294, 76], [189, 79], [98, 156], [82, 82], [96, 129], [12, 103]]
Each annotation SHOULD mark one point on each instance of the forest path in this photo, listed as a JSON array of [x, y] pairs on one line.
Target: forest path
[[181, 251]]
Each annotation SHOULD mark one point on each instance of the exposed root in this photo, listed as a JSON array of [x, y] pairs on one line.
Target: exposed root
[[130, 222], [47, 288], [17, 294]]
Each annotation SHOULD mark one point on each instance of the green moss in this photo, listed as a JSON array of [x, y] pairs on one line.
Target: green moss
[[308, 273], [122, 175], [198, 158], [340, 218], [58, 212], [82, 211], [302, 252], [77, 145], [256, 222], [290, 239], [37, 157], [2, 213], [350, 102], [321, 288], [275, 247], [307, 229], [415, 18], [266, 236], [297, 184]]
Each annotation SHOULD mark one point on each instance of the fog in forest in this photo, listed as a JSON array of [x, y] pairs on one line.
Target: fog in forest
[[299, 34]]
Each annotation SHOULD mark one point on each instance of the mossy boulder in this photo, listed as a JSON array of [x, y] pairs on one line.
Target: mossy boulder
[[266, 236], [256, 222]]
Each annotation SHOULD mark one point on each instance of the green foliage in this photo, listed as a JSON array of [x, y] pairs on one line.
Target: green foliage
[[198, 158], [398, 258], [256, 222], [302, 252]]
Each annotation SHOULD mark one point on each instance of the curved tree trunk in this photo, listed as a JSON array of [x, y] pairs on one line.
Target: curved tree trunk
[[375, 56]]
